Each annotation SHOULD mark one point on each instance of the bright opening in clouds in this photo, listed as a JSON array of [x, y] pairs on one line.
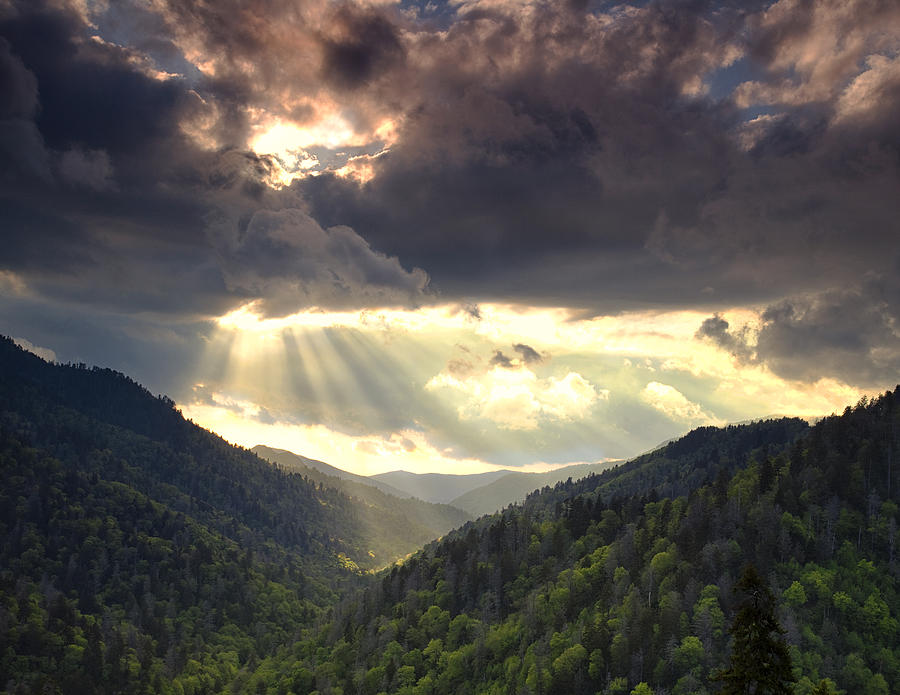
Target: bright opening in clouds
[[466, 388]]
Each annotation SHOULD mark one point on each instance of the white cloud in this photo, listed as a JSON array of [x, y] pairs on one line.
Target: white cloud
[[516, 399], [362, 454], [871, 92], [676, 406], [42, 352]]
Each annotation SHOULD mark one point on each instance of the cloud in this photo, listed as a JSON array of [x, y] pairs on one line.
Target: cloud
[[87, 168], [501, 360], [19, 97], [528, 354], [675, 405], [517, 399], [715, 328], [287, 261], [762, 205], [42, 352], [177, 160], [813, 49], [22, 150], [849, 334], [873, 92], [363, 43]]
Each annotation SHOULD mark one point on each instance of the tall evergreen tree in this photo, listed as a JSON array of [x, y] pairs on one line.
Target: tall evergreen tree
[[760, 662]]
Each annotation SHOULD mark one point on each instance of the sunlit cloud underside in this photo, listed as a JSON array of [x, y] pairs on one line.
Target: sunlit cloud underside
[[467, 389]]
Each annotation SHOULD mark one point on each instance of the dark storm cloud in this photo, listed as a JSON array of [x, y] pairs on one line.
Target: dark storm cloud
[[848, 334], [22, 151], [91, 227], [716, 328], [18, 86], [534, 167], [107, 201], [286, 258], [365, 43], [659, 154], [89, 92]]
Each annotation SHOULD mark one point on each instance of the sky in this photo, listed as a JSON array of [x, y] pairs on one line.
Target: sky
[[457, 236]]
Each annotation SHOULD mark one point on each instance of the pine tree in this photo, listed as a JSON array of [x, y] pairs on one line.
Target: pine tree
[[760, 662]]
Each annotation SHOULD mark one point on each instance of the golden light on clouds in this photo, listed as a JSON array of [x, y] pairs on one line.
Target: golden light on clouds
[[289, 143], [517, 399], [670, 401], [378, 390], [363, 454]]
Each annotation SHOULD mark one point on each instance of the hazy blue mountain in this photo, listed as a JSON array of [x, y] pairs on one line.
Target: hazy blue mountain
[[515, 487], [438, 487]]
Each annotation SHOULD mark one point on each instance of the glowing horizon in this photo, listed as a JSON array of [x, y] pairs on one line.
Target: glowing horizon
[[497, 386]]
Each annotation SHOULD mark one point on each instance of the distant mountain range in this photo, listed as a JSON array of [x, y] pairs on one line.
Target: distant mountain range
[[437, 487], [430, 518], [306, 466], [516, 485], [474, 493]]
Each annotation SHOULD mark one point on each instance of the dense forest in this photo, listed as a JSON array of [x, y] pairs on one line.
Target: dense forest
[[624, 582], [142, 554]]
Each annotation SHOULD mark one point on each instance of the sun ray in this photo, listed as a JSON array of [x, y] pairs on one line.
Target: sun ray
[[303, 365]]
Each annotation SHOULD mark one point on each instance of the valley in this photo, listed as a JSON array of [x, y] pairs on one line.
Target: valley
[[143, 554]]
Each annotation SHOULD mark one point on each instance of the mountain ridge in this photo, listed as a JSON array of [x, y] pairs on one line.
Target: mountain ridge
[[516, 485], [438, 487], [290, 458]]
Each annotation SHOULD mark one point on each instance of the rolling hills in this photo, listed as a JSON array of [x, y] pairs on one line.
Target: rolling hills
[[437, 487], [320, 470]]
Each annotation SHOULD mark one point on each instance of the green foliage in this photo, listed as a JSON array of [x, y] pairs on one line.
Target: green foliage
[[795, 594]]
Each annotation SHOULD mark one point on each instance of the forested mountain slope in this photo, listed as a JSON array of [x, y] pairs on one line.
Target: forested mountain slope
[[141, 553], [624, 579]]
